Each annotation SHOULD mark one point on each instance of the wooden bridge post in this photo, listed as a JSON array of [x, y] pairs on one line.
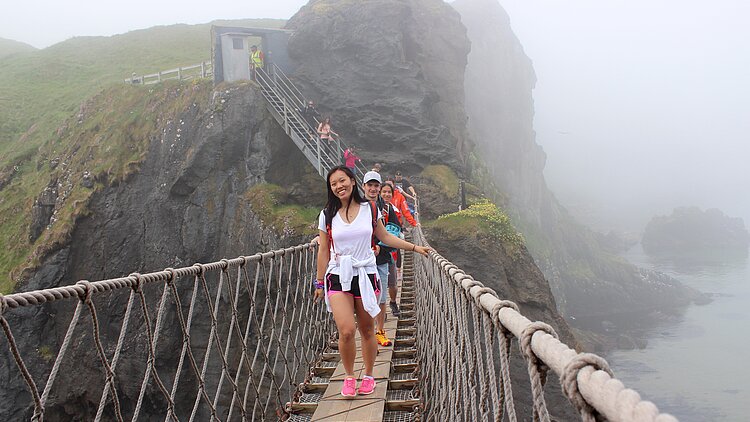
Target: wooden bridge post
[[158, 76], [463, 195], [179, 73], [203, 69]]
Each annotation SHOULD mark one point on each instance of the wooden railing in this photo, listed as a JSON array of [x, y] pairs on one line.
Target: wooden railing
[[200, 70]]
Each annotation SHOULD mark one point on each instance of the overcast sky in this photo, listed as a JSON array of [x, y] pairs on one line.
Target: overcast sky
[[639, 103]]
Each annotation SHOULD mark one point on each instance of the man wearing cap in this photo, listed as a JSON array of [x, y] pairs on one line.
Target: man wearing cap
[[371, 187]]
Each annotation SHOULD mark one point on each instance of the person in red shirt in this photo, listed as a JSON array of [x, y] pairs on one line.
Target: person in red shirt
[[402, 210], [399, 201], [351, 158]]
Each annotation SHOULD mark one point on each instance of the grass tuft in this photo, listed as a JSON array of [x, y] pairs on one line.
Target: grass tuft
[[480, 219]]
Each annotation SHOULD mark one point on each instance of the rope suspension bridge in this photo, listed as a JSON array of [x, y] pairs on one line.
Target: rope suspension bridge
[[269, 352], [241, 339]]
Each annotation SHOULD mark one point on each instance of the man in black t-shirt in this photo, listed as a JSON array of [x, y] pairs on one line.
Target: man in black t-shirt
[[407, 189]]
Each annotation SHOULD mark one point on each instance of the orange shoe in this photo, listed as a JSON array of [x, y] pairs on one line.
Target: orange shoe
[[382, 339]]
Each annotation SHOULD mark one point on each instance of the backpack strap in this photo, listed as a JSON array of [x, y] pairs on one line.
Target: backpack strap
[[330, 232], [374, 211]]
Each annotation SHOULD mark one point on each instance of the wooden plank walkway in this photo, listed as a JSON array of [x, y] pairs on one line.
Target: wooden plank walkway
[[335, 407], [393, 371]]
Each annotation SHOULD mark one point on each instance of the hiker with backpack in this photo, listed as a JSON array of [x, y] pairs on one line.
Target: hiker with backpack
[[371, 187], [386, 194], [346, 271]]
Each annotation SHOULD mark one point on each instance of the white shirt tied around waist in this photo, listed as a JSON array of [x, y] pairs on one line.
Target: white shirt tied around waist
[[347, 266], [352, 253]]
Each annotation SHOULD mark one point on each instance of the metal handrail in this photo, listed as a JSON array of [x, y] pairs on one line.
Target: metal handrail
[[287, 91], [288, 82], [323, 152]]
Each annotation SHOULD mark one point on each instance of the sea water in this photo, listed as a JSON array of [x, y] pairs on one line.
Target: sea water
[[696, 367]]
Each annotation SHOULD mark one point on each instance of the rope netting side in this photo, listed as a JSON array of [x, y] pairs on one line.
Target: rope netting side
[[228, 340], [464, 335]]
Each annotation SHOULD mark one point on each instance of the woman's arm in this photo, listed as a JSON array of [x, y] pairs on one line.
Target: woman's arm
[[395, 242], [407, 214], [324, 255]]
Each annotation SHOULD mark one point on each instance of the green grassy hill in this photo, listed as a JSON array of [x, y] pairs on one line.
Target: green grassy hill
[[53, 106], [41, 88], [8, 47]]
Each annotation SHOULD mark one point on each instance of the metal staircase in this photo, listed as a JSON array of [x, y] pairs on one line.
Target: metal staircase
[[285, 102]]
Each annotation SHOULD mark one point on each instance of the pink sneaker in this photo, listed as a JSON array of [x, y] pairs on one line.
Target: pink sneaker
[[350, 387], [367, 386]]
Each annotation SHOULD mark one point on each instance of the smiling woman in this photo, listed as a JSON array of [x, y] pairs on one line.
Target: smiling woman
[[346, 274]]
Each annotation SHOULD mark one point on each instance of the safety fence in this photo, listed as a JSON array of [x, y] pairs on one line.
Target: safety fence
[[228, 340], [464, 336], [200, 70]]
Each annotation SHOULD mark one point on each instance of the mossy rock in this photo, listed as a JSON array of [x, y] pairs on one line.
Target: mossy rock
[[483, 219], [270, 203]]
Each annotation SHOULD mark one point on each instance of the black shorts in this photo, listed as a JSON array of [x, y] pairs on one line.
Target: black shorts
[[334, 286]]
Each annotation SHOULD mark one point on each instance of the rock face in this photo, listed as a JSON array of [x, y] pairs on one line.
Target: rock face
[[691, 230], [391, 75], [498, 82], [42, 211], [184, 206], [586, 280]]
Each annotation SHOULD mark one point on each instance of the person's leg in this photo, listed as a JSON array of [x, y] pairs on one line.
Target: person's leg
[[392, 288], [366, 326], [342, 306], [399, 261], [383, 277], [380, 335]]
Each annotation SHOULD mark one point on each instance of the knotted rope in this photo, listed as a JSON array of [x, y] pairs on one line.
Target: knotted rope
[[261, 334], [464, 334], [458, 315]]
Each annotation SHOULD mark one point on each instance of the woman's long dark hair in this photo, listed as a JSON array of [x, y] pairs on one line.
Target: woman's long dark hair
[[334, 203]]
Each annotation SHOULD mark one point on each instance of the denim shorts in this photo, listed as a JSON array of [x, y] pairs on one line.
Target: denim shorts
[[383, 277]]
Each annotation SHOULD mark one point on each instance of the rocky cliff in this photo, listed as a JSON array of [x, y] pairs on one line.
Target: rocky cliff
[[587, 280], [187, 203], [390, 73]]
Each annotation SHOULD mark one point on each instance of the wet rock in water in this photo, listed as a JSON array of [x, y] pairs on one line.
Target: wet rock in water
[[689, 230]]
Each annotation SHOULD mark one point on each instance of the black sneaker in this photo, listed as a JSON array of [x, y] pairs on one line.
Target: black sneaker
[[394, 309]]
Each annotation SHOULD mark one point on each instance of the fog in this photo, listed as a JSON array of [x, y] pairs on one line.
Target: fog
[[641, 106]]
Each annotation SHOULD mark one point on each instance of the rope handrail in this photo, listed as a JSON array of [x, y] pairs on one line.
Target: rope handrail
[[586, 380], [259, 336]]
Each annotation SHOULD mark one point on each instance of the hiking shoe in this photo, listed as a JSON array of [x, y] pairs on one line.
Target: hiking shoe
[[382, 339], [350, 387], [367, 386], [394, 309]]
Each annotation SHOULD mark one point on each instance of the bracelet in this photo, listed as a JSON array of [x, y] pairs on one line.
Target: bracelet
[[318, 284], [413, 247]]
